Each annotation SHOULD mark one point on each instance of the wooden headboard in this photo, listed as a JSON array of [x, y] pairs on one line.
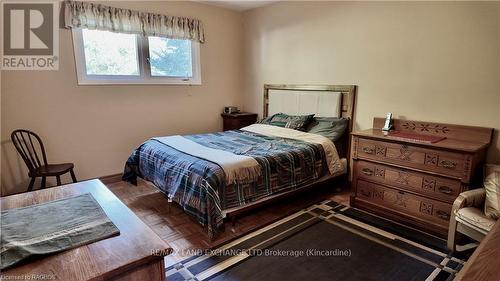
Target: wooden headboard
[[346, 104]]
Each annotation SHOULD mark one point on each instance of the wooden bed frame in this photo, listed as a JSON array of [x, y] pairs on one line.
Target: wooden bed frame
[[347, 111]]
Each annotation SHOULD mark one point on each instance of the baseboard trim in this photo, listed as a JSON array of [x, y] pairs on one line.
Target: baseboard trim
[[111, 178]]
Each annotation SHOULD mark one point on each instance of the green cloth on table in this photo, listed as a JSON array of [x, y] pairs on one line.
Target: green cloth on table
[[52, 227]]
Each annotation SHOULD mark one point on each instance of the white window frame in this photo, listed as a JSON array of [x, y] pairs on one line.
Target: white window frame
[[144, 76]]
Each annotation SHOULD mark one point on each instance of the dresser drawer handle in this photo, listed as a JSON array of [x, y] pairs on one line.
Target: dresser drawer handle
[[368, 150], [366, 193], [448, 164], [445, 189], [367, 171], [442, 215]]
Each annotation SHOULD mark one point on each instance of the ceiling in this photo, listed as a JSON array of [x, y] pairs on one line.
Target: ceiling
[[237, 5]]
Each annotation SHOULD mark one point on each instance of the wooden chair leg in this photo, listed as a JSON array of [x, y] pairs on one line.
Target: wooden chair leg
[[32, 182], [72, 175], [43, 182], [452, 235], [58, 178]]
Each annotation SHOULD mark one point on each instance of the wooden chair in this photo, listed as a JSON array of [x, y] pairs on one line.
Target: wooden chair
[[29, 145]]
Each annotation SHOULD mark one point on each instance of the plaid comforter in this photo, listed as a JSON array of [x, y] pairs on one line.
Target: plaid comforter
[[199, 185]]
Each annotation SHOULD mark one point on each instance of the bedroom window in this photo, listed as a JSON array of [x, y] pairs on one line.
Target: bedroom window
[[104, 57]]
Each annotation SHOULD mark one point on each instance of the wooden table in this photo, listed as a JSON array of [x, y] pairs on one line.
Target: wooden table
[[136, 254], [484, 264]]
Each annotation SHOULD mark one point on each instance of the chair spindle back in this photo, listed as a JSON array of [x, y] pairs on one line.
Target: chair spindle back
[[29, 145]]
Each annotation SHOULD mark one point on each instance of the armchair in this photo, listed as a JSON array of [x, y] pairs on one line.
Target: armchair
[[468, 218]]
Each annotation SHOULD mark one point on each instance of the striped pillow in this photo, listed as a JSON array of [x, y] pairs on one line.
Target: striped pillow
[[296, 122], [492, 186], [330, 127]]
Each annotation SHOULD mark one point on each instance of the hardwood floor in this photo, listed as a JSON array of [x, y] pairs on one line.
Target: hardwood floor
[[183, 233]]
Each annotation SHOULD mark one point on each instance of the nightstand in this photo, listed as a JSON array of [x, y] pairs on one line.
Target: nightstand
[[239, 120]]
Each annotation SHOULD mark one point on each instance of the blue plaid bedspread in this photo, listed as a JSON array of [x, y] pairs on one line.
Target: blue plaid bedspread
[[199, 185]]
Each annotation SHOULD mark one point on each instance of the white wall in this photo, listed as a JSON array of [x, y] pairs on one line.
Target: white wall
[[433, 61], [97, 127]]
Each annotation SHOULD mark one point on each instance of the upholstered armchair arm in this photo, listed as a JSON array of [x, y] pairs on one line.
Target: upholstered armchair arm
[[471, 198]]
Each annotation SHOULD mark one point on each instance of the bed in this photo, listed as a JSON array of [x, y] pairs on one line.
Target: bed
[[217, 175]]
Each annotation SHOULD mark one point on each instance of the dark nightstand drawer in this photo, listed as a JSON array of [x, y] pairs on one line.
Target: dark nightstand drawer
[[238, 120]]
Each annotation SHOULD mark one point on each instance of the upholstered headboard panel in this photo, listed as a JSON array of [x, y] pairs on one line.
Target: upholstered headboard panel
[[324, 101], [320, 103]]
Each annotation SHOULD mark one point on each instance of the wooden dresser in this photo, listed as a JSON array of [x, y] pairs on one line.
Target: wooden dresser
[[413, 182]]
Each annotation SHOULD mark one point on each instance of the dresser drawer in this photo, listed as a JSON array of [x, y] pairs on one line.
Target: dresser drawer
[[432, 186], [417, 206], [437, 161]]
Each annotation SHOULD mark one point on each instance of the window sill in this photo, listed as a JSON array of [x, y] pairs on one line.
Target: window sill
[[142, 82]]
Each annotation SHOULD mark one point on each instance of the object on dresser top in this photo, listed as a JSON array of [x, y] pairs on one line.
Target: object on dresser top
[[415, 182], [231, 109], [398, 135], [388, 122], [235, 121], [296, 122], [52, 227]]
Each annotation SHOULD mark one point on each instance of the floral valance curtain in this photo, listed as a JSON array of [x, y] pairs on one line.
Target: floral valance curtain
[[88, 15]]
